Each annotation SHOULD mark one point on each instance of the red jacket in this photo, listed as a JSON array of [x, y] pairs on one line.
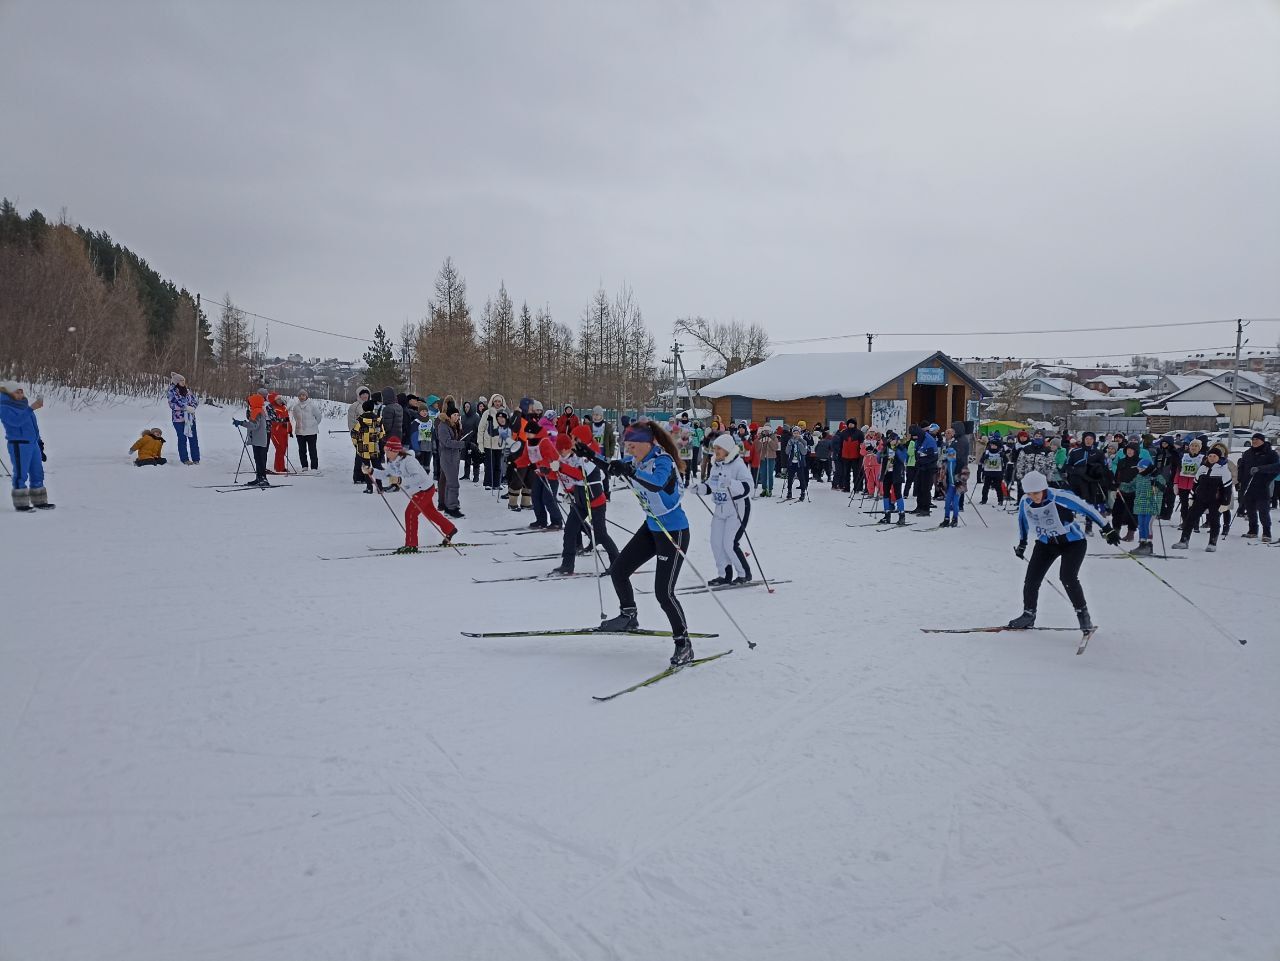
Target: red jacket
[[565, 423]]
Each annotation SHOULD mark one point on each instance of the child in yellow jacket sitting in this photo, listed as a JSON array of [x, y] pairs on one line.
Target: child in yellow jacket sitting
[[149, 447]]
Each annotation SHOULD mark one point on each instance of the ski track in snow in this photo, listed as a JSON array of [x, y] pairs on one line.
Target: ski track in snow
[[219, 748]]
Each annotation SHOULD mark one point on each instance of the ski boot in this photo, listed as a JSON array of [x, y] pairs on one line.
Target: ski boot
[[902, 519], [683, 653], [725, 578], [537, 526], [885, 519], [1086, 622], [406, 550], [447, 541], [801, 498], [1212, 545], [1144, 549], [560, 571], [625, 621], [1182, 545], [1266, 539], [1023, 621], [946, 522], [1249, 534]]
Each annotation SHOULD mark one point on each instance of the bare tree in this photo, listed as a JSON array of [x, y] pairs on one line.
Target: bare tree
[[734, 344], [1007, 400]]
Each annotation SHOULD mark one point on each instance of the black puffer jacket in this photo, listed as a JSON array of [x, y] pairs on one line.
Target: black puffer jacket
[[1257, 471], [392, 413]]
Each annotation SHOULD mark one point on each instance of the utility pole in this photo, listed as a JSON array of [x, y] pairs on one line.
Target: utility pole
[[195, 351], [1235, 388], [870, 337]]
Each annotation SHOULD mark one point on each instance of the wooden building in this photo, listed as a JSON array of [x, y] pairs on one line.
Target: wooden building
[[886, 390]]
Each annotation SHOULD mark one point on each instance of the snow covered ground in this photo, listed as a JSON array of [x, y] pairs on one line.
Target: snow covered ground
[[217, 746]]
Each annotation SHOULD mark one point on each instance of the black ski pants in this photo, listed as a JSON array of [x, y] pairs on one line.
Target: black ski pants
[[307, 446], [1042, 556], [577, 522], [260, 463], [643, 545], [1191, 522], [991, 482]]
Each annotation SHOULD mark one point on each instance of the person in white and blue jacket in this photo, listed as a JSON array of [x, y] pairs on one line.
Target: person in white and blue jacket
[[729, 486], [1051, 516], [652, 467]]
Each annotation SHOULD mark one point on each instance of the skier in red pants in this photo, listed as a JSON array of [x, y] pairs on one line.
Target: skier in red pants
[[404, 471], [281, 429]]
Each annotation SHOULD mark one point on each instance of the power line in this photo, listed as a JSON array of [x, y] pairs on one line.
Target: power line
[[1119, 353], [1051, 330], [275, 320]]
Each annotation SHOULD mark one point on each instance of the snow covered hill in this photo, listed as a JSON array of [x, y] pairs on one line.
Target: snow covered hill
[[217, 746]]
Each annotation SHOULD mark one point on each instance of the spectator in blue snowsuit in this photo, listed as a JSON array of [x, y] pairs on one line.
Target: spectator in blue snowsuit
[[26, 449], [926, 468]]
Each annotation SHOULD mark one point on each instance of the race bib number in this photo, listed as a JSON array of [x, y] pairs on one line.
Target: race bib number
[[720, 497]]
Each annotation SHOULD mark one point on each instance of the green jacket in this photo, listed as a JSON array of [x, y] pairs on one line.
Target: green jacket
[[1147, 491]]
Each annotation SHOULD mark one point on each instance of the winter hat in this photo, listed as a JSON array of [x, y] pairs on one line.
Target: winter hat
[[10, 386], [625, 419], [933, 428], [393, 444], [568, 408], [564, 442], [535, 406], [271, 397], [1034, 481], [432, 399], [367, 407], [583, 433], [302, 394], [726, 444], [525, 404], [1258, 435], [362, 390], [754, 427], [483, 400], [597, 413], [546, 422], [177, 378]]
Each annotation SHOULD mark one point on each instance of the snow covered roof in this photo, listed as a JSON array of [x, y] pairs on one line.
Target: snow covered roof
[[1124, 393], [1114, 380], [1072, 390], [1185, 408], [793, 376]]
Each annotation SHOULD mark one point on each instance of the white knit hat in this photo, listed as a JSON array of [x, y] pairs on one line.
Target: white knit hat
[[10, 386], [1033, 482]]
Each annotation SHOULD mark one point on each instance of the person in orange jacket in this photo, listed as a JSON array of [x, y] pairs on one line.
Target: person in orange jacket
[[149, 448], [281, 429]]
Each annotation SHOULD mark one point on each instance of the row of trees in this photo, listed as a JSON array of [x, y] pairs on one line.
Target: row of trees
[[608, 359], [79, 309]]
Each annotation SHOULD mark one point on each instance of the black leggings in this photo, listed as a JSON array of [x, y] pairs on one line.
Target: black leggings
[[260, 463], [1042, 556], [643, 545]]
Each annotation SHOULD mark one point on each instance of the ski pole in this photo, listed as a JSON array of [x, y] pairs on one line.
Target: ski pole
[[591, 534], [662, 527], [243, 444], [393, 511], [1183, 596]]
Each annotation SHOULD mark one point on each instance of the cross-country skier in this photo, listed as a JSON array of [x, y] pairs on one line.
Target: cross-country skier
[[584, 481], [652, 467], [405, 472], [729, 486], [1051, 515], [893, 475]]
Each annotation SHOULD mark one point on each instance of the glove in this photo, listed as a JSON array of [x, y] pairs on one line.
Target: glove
[[237, 423], [553, 466], [621, 468], [704, 488], [583, 450], [1021, 550], [1252, 471], [1111, 534]]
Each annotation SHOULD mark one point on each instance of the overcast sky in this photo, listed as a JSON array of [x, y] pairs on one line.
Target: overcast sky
[[819, 167]]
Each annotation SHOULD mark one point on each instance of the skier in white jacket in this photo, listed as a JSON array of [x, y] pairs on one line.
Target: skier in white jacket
[[729, 486], [306, 414]]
